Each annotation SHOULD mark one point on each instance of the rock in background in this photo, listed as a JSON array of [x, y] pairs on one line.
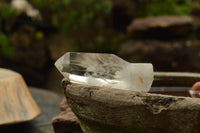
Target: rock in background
[[66, 121], [164, 27], [170, 43], [164, 55]]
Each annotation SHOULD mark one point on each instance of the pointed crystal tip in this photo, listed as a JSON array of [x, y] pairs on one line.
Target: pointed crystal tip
[[105, 70]]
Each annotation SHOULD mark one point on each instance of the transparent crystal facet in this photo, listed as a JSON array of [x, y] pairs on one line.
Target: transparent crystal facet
[[105, 70]]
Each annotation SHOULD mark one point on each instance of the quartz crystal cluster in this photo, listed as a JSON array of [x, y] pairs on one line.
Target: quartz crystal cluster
[[105, 70]]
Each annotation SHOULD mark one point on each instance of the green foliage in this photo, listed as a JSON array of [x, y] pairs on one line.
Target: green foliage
[[196, 4], [87, 22], [6, 12], [105, 41], [41, 3], [164, 7], [74, 14], [39, 35], [5, 48]]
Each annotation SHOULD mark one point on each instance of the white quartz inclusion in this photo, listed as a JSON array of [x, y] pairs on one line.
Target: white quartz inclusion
[[105, 70]]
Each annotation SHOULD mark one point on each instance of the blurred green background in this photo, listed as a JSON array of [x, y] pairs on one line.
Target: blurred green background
[[34, 33]]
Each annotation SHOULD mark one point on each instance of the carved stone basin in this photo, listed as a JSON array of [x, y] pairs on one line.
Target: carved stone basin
[[106, 110]]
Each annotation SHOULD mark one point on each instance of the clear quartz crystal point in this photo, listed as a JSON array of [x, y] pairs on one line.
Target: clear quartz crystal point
[[105, 70]]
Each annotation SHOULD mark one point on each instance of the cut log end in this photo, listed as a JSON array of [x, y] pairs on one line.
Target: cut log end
[[16, 102]]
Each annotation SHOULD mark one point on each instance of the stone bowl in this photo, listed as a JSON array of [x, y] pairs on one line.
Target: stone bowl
[[106, 110]]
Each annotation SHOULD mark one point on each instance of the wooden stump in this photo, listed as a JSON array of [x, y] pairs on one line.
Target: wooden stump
[[16, 102]]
